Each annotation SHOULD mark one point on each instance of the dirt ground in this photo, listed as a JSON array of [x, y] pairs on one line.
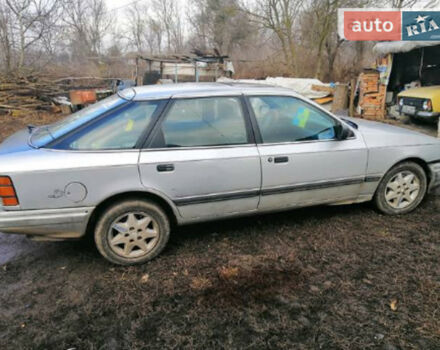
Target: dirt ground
[[317, 278]]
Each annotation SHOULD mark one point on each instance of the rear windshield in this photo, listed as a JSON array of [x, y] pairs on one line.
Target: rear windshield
[[45, 134]]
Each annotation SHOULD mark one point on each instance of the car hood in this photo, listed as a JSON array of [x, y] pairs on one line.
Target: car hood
[[428, 92], [17, 142], [385, 135]]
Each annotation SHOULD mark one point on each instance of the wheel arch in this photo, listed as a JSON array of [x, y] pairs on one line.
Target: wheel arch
[[166, 204], [418, 161]]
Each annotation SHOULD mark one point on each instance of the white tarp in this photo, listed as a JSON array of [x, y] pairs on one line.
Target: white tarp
[[301, 86], [386, 47]]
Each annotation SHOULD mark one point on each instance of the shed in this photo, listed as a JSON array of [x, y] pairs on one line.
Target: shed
[[198, 66], [412, 61], [400, 65]]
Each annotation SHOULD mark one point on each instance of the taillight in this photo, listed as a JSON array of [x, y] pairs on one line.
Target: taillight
[[7, 192]]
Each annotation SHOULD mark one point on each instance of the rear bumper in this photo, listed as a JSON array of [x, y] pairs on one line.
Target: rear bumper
[[48, 223]]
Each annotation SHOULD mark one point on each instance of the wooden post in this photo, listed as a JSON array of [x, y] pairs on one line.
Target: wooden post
[[352, 96], [438, 127], [196, 71], [340, 98]]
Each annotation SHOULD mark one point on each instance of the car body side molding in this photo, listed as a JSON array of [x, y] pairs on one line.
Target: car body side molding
[[271, 191]]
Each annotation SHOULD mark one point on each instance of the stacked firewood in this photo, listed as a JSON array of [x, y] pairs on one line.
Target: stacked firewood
[[372, 95], [21, 95]]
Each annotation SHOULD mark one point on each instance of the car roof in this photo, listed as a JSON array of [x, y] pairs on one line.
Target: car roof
[[149, 92]]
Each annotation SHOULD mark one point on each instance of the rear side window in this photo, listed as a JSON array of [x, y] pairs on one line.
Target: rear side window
[[288, 119], [212, 121], [44, 135], [119, 129]]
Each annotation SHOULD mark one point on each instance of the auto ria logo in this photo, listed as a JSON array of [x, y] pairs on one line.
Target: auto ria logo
[[388, 25]]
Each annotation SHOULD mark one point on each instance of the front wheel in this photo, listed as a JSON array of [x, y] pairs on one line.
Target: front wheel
[[132, 232], [402, 189]]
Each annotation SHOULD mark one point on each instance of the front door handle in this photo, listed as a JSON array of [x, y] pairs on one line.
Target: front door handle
[[165, 167], [283, 159]]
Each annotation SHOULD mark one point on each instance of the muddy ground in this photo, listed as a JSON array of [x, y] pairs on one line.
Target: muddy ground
[[318, 278]]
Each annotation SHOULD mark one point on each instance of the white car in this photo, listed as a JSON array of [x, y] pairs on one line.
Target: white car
[[128, 168]]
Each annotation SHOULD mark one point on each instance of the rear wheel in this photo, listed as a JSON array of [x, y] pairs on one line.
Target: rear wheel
[[401, 189], [132, 232]]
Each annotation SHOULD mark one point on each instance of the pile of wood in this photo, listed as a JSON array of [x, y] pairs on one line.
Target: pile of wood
[[24, 95], [372, 95], [337, 96], [324, 88]]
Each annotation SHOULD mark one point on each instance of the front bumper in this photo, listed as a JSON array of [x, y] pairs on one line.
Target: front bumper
[[435, 176], [47, 224], [421, 114]]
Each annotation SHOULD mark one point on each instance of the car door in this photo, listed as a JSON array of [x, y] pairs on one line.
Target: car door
[[303, 162], [203, 157]]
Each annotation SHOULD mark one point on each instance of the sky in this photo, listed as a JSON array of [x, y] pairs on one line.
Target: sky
[[120, 5]]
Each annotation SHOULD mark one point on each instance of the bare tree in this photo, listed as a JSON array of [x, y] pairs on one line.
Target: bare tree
[[144, 29], [279, 16], [219, 23], [324, 18], [31, 21], [154, 36], [6, 39], [137, 24], [88, 22], [98, 25], [410, 3], [169, 17]]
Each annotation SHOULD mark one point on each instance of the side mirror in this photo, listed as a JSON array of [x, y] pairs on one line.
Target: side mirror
[[342, 132]]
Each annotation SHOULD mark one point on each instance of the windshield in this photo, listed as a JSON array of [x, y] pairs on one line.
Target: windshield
[[45, 134]]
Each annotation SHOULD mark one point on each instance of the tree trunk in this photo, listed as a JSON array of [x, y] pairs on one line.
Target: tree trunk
[[22, 44], [318, 61]]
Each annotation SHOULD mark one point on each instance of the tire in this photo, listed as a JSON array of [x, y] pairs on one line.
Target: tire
[[415, 120], [132, 232], [401, 194]]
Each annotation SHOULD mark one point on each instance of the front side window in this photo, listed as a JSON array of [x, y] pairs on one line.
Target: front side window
[[119, 129], [212, 121], [288, 119]]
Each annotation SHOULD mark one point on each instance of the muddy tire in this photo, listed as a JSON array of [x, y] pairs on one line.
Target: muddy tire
[[402, 189], [132, 232]]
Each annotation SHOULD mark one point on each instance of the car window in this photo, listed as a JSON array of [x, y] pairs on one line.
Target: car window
[[203, 122], [120, 129], [288, 119], [46, 134]]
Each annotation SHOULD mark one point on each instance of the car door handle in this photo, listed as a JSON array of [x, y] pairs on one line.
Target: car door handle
[[284, 159], [165, 167]]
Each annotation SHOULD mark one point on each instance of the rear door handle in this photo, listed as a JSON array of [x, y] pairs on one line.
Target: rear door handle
[[284, 159], [165, 167]]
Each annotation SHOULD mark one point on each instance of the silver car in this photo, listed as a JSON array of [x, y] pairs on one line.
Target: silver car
[[128, 168]]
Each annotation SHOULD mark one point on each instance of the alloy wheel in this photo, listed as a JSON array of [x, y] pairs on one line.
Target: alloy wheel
[[402, 189], [133, 235]]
